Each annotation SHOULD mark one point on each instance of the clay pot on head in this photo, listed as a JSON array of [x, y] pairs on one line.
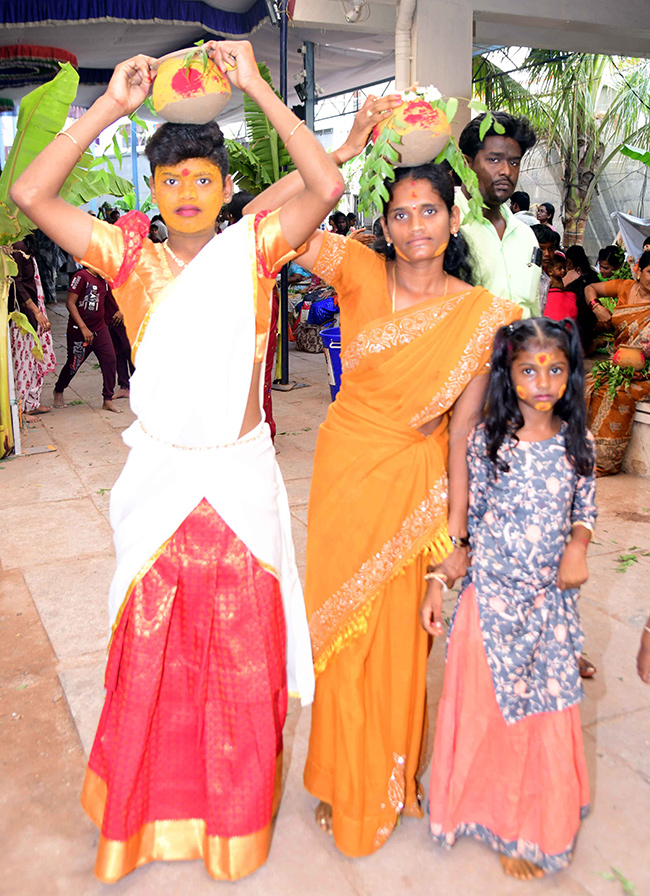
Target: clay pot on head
[[424, 132], [194, 95], [629, 356]]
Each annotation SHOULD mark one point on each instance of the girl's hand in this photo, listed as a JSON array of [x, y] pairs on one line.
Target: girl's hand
[[130, 83], [431, 609], [455, 565], [42, 321], [370, 114], [236, 59], [573, 570], [643, 657], [118, 318]]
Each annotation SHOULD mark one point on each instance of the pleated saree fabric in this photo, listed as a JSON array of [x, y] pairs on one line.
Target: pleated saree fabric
[[378, 512], [210, 631]]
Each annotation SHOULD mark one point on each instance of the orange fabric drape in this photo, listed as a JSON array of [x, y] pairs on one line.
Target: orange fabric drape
[[610, 417], [378, 510]]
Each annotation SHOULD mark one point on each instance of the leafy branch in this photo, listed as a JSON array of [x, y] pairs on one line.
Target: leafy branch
[[382, 159]]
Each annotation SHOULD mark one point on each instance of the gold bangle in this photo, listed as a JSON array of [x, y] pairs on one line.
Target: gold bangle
[[295, 128], [647, 628], [70, 137]]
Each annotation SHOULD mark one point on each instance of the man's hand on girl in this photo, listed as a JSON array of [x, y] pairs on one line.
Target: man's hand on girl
[[455, 565], [431, 609]]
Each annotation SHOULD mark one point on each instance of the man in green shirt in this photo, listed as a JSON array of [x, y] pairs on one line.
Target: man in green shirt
[[504, 250]]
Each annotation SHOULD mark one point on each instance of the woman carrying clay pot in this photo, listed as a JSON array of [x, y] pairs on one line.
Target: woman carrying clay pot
[[612, 396]]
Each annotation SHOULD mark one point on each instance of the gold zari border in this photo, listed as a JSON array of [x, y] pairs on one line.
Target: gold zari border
[[344, 616], [226, 858]]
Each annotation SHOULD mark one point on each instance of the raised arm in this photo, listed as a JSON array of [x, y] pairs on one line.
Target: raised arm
[[36, 192], [322, 183], [370, 114]]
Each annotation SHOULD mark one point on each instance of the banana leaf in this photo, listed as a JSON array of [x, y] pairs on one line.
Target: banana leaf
[[636, 153], [260, 164], [42, 114]]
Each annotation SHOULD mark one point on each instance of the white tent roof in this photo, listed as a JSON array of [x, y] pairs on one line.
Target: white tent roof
[[343, 59]]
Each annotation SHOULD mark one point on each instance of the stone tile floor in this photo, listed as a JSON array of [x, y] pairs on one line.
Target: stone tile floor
[[56, 565]]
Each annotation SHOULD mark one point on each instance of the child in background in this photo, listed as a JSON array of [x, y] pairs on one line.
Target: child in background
[[610, 259], [560, 302], [88, 333], [508, 760]]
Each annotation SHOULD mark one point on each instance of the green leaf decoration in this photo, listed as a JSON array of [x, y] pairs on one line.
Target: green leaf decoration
[[477, 106], [9, 222], [484, 126], [380, 163]]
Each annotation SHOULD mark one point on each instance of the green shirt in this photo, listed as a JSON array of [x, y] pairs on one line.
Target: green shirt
[[504, 266]]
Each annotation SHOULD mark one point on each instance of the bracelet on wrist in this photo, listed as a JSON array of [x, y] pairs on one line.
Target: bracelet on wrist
[[459, 541]]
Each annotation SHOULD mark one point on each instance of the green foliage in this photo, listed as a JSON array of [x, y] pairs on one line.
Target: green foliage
[[43, 113], [585, 107], [127, 202], [383, 157], [616, 377], [628, 888], [265, 159]]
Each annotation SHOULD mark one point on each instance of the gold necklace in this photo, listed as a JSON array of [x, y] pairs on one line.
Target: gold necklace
[[392, 295], [178, 261]]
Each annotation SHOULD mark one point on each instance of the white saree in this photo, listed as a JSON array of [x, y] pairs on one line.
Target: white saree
[[190, 397]]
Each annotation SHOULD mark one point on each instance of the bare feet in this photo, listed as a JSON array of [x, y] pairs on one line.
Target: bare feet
[[121, 393], [324, 817], [109, 406], [41, 409], [520, 869], [58, 399], [586, 668]]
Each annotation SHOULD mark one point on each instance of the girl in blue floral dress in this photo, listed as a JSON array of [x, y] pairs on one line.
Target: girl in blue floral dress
[[508, 760]]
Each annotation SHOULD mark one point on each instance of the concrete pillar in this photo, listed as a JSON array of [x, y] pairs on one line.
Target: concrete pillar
[[441, 47]]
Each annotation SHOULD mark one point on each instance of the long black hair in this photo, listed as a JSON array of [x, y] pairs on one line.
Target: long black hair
[[457, 260], [502, 415]]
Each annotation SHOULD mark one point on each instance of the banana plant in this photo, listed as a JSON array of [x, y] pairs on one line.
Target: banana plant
[[42, 114], [260, 164]]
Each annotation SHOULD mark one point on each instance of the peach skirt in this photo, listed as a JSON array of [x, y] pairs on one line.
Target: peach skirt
[[520, 788]]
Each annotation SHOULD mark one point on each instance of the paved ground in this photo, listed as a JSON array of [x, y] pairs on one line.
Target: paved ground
[[56, 563]]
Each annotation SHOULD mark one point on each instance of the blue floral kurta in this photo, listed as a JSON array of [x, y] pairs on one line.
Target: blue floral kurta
[[519, 524]]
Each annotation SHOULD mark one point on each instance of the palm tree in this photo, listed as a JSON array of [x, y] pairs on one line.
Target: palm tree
[[585, 107]]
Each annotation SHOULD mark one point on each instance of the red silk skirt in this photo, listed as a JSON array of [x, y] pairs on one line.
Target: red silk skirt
[[186, 762]]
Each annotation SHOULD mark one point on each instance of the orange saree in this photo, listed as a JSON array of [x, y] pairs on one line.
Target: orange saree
[[610, 410], [378, 510]]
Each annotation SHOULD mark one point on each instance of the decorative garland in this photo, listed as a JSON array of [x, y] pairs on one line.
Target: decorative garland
[[615, 376], [382, 157]]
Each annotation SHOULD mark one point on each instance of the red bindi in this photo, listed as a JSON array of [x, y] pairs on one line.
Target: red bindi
[[185, 172]]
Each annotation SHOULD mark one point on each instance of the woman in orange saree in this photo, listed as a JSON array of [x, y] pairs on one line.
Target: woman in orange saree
[[415, 341], [611, 404]]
